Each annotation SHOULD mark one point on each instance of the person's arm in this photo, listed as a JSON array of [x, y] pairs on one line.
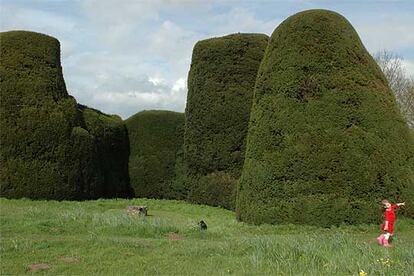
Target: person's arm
[[397, 205]]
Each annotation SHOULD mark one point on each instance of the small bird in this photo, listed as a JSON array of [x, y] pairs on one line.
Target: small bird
[[203, 225]]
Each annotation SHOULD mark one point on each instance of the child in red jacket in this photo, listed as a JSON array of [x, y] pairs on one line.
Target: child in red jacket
[[388, 225]]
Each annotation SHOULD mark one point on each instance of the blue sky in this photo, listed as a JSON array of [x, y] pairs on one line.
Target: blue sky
[[124, 56]]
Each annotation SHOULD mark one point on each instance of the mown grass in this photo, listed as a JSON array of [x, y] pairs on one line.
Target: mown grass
[[99, 237]]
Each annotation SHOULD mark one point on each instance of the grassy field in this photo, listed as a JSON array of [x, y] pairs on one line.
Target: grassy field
[[99, 237]]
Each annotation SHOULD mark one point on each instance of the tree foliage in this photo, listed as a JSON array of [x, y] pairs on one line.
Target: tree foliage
[[326, 141], [401, 84]]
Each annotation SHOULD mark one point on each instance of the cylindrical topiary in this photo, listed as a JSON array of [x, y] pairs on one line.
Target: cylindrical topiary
[[220, 90], [48, 149], [326, 141], [36, 115], [156, 138]]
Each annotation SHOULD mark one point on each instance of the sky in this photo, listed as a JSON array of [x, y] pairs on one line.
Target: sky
[[125, 56]]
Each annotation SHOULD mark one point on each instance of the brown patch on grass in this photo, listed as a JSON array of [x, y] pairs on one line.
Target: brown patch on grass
[[37, 267], [69, 259], [174, 236]]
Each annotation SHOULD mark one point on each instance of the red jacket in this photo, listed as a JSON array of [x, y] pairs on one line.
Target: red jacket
[[390, 217]]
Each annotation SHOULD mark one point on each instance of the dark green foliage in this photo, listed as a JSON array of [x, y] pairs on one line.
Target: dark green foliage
[[156, 139], [216, 189], [84, 165], [220, 91], [112, 151], [326, 141], [46, 149], [37, 117]]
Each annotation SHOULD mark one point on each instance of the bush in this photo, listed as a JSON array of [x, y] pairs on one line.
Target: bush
[[326, 141], [112, 151], [37, 117], [46, 149], [220, 91], [83, 166], [216, 189], [156, 138]]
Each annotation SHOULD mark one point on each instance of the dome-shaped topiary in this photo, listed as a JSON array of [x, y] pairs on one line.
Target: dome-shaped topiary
[[326, 141], [220, 90], [156, 138]]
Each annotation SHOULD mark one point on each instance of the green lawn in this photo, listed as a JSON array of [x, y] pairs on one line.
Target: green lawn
[[99, 237]]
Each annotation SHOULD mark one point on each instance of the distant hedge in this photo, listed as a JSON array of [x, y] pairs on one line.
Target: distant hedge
[[112, 151], [220, 90], [46, 152], [326, 141], [156, 139]]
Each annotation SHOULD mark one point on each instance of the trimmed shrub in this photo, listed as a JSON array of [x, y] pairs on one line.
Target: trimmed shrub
[[46, 149], [156, 139], [83, 165], [326, 141], [220, 91], [112, 151], [37, 116], [216, 189]]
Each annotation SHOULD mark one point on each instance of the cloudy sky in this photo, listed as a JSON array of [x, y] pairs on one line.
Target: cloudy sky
[[124, 56]]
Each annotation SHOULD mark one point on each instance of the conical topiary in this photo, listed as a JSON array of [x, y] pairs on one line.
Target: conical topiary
[[220, 90], [326, 141]]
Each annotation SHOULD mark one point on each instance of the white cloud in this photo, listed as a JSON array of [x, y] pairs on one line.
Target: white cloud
[[142, 61], [14, 17], [170, 41], [109, 12], [387, 32], [156, 80], [121, 85], [139, 94], [125, 56], [242, 20], [17, 17], [180, 84]]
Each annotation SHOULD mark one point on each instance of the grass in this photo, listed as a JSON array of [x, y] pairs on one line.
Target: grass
[[99, 237]]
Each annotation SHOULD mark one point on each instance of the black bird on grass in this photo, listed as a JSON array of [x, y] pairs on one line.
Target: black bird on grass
[[203, 225]]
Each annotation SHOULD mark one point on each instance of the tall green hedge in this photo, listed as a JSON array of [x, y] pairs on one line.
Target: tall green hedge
[[156, 139], [46, 152], [220, 90], [37, 117], [112, 151], [326, 141]]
